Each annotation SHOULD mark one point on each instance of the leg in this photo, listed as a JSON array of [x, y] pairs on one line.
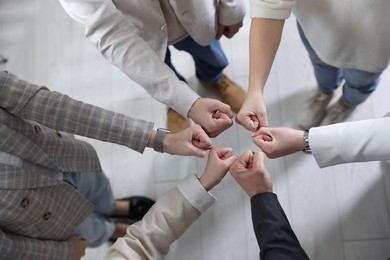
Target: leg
[[210, 61], [97, 228], [358, 86], [167, 61], [327, 76]]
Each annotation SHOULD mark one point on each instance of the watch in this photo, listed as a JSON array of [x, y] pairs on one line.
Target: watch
[[307, 149], [158, 143]]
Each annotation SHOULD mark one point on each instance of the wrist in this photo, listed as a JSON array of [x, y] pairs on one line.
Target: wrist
[[151, 139], [191, 111], [206, 183], [167, 143]]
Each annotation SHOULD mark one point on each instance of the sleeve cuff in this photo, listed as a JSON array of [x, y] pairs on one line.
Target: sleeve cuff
[[271, 9], [195, 193]]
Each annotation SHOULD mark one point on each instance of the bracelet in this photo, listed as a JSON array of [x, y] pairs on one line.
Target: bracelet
[[307, 149]]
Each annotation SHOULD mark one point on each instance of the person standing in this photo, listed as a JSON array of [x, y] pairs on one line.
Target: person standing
[[135, 35], [348, 46]]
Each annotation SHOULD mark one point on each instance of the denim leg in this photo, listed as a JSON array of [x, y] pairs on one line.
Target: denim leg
[[328, 77], [358, 86], [97, 228], [168, 61], [210, 61]]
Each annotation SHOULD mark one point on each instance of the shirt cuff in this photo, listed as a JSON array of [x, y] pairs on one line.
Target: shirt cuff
[[195, 193]]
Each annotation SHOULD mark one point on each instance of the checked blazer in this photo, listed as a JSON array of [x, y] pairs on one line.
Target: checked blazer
[[39, 213]]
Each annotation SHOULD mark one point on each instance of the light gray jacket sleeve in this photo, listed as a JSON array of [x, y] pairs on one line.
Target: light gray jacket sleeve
[[359, 141], [115, 37]]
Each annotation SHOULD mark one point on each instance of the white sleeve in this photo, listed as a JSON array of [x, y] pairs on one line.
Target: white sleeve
[[359, 141], [271, 9]]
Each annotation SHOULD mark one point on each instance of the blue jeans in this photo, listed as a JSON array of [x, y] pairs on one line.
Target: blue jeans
[[209, 60], [358, 84], [97, 228]]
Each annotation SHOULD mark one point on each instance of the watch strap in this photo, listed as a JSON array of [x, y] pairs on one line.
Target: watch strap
[[158, 143]]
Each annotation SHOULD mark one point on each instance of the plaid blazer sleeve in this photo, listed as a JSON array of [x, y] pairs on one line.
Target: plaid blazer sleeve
[[18, 247], [60, 112]]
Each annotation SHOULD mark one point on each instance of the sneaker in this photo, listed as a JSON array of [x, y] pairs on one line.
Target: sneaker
[[176, 122], [337, 113], [228, 91], [314, 109]]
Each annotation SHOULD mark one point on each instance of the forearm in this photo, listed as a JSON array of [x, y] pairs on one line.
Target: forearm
[[265, 36], [274, 235], [358, 141], [164, 223], [18, 247]]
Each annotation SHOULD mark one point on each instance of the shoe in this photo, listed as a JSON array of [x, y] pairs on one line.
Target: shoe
[[176, 122], [336, 113], [314, 109], [228, 91], [138, 206]]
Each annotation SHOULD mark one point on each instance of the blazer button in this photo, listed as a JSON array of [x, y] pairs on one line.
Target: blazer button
[[58, 133], [46, 216], [24, 203], [37, 129], [163, 26]]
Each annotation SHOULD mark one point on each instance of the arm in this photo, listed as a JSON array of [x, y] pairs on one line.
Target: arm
[[60, 112], [18, 247], [173, 213], [358, 141], [277, 142], [274, 235], [119, 41], [265, 35]]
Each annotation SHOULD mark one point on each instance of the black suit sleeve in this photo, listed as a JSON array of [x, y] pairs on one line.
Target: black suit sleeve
[[274, 235]]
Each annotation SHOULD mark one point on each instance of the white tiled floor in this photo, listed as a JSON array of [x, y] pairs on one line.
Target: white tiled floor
[[338, 213]]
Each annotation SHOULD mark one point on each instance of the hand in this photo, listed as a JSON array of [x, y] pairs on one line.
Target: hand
[[249, 171], [276, 142], [191, 141], [253, 114], [213, 115], [228, 30], [217, 166], [79, 246]]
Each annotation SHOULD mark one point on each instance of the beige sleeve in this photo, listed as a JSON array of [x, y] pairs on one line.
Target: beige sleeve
[[150, 238]]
